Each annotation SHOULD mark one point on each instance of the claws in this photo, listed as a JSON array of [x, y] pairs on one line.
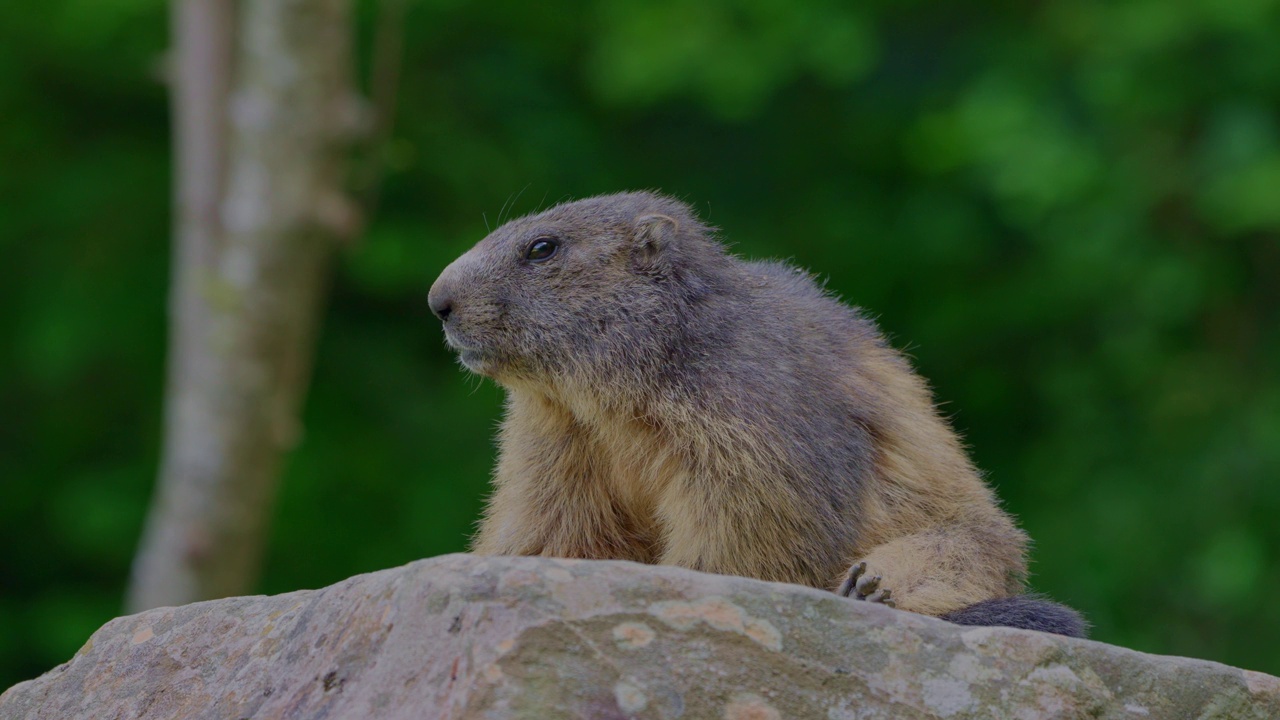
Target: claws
[[881, 597], [867, 584], [855, 572], [860, 586]]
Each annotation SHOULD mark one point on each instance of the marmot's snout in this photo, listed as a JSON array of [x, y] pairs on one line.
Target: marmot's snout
[[441, 303], [443, 297], [468, 328]]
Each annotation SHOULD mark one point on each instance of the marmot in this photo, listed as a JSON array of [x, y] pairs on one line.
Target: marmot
[[668, 402]]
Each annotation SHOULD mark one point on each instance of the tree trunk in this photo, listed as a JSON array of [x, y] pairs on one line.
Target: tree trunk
[[250, 265]]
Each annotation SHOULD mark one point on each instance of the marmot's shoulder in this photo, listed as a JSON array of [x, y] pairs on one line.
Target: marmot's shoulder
[[786, 279], [792, 295]]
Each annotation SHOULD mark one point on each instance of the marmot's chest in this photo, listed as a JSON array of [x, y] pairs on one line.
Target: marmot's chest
[[637, 465]]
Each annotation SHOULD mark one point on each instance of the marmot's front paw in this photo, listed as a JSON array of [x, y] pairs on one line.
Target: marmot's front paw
[[860, 586]]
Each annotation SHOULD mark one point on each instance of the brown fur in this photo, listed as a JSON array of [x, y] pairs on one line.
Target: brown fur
[[670, 403]]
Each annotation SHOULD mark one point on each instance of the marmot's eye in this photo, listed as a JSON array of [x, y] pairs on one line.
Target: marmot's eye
[[541, 249]]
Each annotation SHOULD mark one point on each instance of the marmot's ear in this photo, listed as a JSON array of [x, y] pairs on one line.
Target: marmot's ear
[[654, 232]]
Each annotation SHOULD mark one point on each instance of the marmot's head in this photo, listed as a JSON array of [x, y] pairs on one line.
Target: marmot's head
[[597, 283]]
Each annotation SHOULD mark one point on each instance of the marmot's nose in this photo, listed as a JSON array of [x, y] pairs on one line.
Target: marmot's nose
[[441, 304]]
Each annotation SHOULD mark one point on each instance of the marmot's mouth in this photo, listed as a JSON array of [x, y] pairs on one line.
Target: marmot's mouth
[[477, 361], [471, 357], [456, 342]]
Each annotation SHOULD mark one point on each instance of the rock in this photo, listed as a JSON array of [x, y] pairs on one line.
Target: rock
[[471, 637]]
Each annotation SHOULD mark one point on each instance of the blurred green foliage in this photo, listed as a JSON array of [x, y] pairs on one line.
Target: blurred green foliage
[[1069, 213]]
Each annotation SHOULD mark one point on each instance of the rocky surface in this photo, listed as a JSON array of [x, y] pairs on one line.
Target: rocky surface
[[469, 637]]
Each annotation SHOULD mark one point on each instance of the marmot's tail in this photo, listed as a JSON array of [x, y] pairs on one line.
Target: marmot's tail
[[1027, 612]]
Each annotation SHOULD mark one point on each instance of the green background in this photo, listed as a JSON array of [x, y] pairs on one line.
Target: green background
[[1067, 212]]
